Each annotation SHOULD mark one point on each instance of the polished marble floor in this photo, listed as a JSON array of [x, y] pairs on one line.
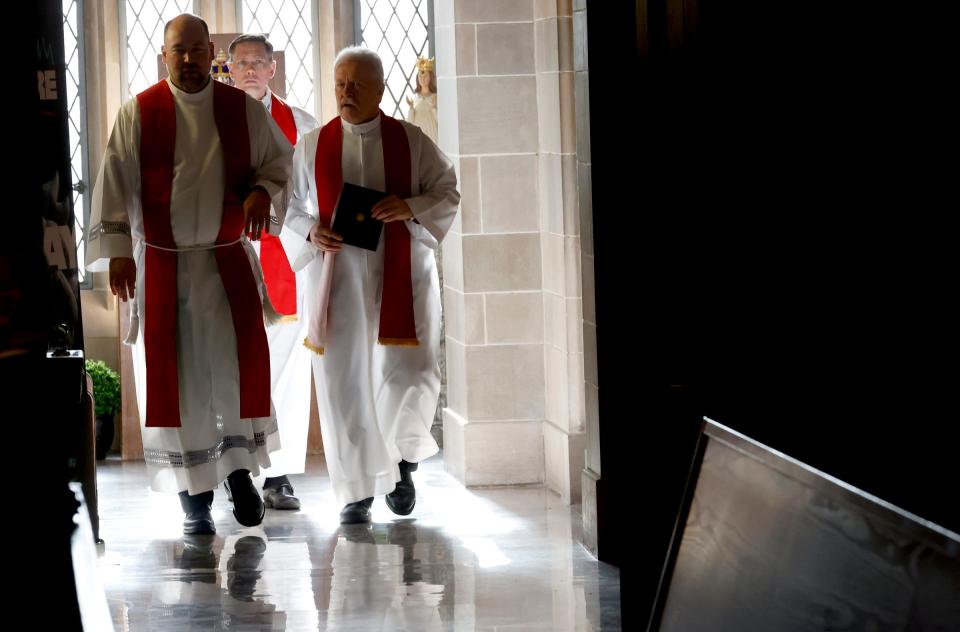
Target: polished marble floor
[[486, 560]]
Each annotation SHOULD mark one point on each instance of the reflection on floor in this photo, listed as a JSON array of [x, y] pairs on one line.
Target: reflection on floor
[[495, 559]]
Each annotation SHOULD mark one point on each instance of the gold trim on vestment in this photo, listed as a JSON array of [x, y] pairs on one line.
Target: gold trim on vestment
[[314, 348], [399, 342]]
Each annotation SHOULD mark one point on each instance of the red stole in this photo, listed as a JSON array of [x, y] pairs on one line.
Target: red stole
[[397, 325], [283, 115], [277, 274], [158, 125]]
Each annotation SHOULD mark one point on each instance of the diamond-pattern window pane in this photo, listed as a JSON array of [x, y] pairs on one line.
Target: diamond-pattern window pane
[[144, 22], [399, 30], [71, 48], [287, 25]]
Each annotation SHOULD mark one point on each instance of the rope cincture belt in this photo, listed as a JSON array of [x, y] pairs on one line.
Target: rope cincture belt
[[194, 248]]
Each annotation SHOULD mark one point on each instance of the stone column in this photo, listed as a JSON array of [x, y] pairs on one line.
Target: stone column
[[563, 430], [493, 278], [590, 476], [512, 287], [334, 26], [220, 16], [102, 41]]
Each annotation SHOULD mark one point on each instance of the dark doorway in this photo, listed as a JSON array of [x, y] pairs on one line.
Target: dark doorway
[[769, 253]]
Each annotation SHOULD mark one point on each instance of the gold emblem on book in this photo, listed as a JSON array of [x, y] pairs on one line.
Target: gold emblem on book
[[360, 217]]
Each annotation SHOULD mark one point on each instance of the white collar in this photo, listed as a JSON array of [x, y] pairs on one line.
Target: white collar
[[362, 128], [267, 100], [192, 97]]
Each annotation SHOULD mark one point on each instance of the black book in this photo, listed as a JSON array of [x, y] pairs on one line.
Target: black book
[[352, 219]]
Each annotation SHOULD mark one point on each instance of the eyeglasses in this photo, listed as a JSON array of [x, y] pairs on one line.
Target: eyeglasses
[[256, 64]]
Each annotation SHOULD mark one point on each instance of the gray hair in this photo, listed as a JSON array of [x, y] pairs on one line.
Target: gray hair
[[361, 53]]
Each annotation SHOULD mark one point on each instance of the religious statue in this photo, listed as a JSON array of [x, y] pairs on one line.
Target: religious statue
[[423, 107], [219, 69]]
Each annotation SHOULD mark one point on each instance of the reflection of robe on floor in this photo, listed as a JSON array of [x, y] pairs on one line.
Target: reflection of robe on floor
[[195, 601], [247, 574], [381, 582]]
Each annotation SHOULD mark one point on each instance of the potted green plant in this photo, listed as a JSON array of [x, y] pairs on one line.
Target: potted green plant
[[106, 394]]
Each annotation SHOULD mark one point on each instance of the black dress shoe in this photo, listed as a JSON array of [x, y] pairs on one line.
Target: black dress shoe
[[197, 520], [278, 494], [404, 496], [199, 523], [356, 513], [280, 498], [248, 507]]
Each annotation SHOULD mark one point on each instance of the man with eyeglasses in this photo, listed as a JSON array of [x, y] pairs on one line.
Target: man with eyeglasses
[[252, 67], [190, 171]]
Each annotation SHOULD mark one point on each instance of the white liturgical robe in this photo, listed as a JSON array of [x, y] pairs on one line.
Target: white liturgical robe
[[213, 440], [289, 359], [376, 402]]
